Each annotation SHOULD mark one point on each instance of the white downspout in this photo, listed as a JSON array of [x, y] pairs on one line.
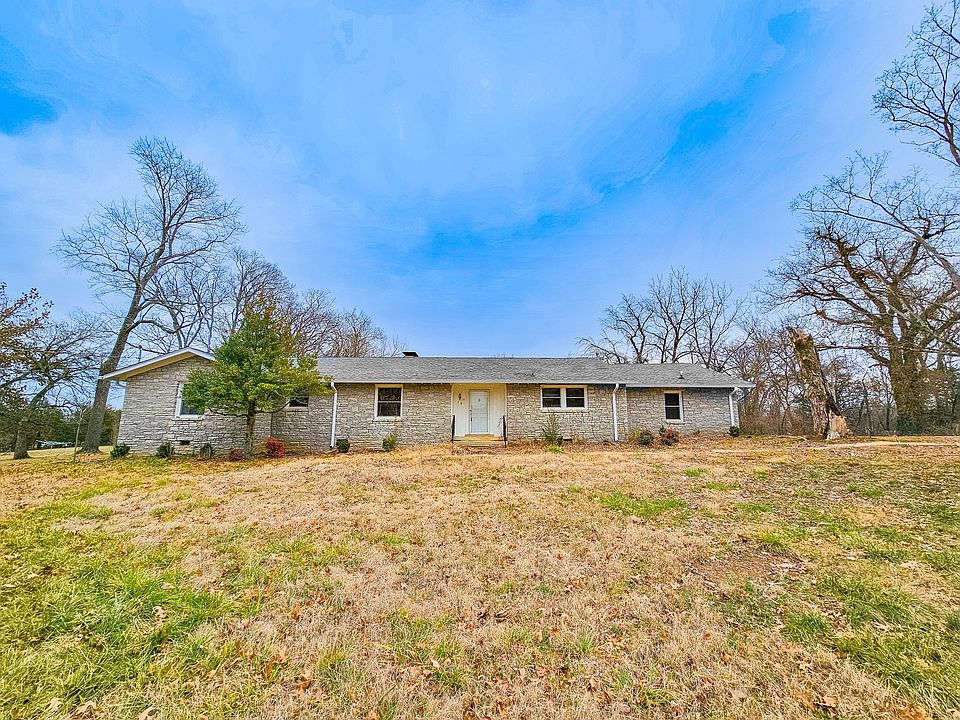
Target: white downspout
[[333, 422], [616, 421], [730, 398]]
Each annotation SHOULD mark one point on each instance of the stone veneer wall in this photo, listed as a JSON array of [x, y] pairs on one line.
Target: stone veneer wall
[[149, 415], [306, 428], [426, 416], [525, 417], [704, 409]]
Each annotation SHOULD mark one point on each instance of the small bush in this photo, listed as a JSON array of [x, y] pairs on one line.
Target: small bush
[[550, 430], [734, 431], [641, 437], [206, 451], [669, 436], [120, 450], [236, 454], [275, 448], [165, 450], [390, 442], [343, 445]]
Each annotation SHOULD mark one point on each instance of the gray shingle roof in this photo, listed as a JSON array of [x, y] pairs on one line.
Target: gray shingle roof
[[521, 370]]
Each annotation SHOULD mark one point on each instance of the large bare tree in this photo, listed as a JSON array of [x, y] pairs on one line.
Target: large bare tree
[[919, 93], [918, 96], [678, 319], [135, 251], [871, 279]]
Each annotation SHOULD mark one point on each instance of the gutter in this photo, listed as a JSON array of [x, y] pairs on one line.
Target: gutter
[[333, 422], [730, 398], [616, 422]]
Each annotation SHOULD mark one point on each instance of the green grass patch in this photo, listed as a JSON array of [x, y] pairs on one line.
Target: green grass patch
[[772, 542], [867, 491], [390, 539], [806, 627], [254, 564], [752, 510], [943, 515], [910, 644], [87, 614], [719, 486], [646, 508], [427, 642], [694, 472]]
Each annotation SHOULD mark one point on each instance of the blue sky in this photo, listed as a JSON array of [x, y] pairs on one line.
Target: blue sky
[[481, 177]]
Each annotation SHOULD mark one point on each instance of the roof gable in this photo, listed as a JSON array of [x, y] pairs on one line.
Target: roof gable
[[155, 362]]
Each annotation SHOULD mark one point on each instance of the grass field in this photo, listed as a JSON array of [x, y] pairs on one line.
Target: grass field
[[726, 578]]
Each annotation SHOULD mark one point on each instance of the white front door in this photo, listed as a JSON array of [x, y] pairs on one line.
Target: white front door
[[479, 416]]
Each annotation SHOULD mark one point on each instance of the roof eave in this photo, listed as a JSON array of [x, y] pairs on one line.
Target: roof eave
[[153, 363]]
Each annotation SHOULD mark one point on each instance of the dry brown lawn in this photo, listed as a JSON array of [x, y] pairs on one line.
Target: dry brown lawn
[[747, 578]]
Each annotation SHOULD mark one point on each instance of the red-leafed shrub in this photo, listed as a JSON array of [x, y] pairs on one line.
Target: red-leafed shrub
[[669, 436], [236, 454], [275, 448]]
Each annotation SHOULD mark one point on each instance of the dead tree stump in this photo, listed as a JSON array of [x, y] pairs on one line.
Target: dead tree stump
[[828, 420]]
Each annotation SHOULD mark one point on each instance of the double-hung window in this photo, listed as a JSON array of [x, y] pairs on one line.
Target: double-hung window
[[673, 406], [563, 398], [389, 401], [185, 410]]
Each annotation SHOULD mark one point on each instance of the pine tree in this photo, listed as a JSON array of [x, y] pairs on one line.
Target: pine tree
[[256, 370]]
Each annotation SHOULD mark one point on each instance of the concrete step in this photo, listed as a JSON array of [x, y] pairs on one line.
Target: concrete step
[[479, 441]]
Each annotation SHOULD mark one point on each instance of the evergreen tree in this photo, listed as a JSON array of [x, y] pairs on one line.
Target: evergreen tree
[[256, 370]]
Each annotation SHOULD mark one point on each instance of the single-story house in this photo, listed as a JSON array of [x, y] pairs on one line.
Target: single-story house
[[426, 400]]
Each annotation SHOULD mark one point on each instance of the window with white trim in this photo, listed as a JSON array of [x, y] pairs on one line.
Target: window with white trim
[[561, 397], [184, 410], [673, 406], [389, 403]]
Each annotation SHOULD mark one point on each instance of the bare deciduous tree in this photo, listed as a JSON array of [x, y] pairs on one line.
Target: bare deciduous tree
[[134, 250], [359, 336], [251, 278], [678, 319], [56, 367], [919, 92], [766, 358], [863, 268], [918, 95]]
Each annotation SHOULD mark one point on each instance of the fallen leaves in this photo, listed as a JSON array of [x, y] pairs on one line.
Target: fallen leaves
[[915, 712]]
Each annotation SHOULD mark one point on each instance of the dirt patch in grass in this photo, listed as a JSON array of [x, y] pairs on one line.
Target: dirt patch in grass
[[716, 578]]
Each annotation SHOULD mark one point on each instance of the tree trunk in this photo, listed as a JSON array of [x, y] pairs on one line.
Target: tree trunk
[[21, 444], [91, 441], [828, 421], [866, 402], [248, 437], [906, 372]]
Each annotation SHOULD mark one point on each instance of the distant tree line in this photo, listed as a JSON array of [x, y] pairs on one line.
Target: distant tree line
[[873, 278]]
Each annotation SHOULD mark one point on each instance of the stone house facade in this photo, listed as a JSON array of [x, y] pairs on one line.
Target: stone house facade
[[425, 400]]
